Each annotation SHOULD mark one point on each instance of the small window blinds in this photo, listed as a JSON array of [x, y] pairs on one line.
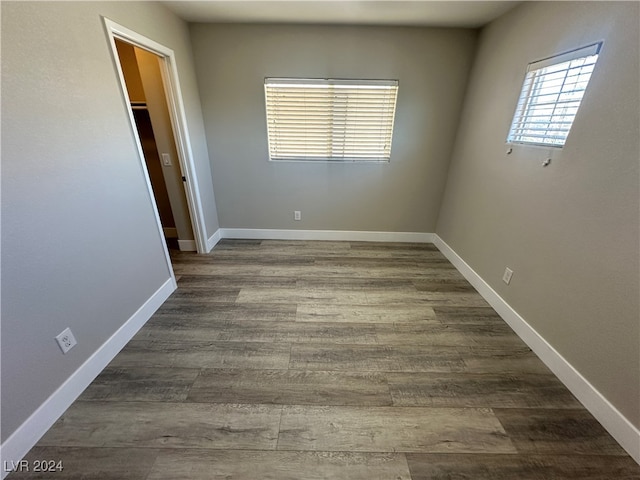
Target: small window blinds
[[550, 97], [330, 120]]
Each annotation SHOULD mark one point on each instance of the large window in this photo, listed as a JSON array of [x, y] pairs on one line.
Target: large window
[[330, 120], [550, 97]]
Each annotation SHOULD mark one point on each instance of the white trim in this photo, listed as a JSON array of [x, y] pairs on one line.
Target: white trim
[[178, 119], [213, 240], [170, 232], [187, 245], [335, 235], [608, 415], [185, 154], [28, 434]]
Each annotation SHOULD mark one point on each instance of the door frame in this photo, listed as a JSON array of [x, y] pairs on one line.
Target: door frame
[[178, 117]]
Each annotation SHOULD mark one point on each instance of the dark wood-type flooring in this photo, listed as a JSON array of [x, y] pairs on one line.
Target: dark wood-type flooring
[[292, 360]]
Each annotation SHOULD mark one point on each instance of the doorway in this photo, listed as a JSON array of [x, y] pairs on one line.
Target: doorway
[[147, 100], [149, 80]]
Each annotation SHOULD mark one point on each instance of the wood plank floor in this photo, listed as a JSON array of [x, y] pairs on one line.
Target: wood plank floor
[[300, 360]]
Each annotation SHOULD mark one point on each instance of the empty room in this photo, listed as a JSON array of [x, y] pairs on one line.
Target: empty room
[[359, 240]]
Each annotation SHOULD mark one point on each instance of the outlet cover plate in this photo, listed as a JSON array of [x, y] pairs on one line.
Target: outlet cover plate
[[66, 340], [508, 273]]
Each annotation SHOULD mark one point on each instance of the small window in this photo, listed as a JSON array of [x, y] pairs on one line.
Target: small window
[[330, 120], [550, 97]]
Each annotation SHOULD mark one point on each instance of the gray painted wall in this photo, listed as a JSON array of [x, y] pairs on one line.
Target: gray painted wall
[[570, 230], [80, 246], [404, 195]]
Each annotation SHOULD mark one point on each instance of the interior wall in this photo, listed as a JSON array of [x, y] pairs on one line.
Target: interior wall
[[131, 72], [570, 230], [80, 244], [154, 169], [151, 78], [403, 195]]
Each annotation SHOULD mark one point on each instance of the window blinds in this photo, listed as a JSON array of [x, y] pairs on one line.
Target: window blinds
[[339, 120], [551, 94]]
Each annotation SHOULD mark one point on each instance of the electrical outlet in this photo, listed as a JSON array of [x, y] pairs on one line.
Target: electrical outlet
[[508, 273], [297, 215], [66, 340]]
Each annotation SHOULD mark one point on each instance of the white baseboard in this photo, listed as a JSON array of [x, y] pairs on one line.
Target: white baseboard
[[625, 433], [213, 240], [28, 434], [334, 235], [187, 245]]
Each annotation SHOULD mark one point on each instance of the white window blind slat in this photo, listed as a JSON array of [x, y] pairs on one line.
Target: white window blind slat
[[550, 97], [310, 119]]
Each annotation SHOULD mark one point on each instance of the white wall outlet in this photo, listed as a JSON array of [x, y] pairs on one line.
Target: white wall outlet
[[297, 215], [66, 340], [166, 160], [508, 273]]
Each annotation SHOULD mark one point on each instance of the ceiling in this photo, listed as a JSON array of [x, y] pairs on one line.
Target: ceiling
[[452, 13]]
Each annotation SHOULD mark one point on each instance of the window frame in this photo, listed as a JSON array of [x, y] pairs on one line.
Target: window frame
[[343, 113], [531, 90]]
